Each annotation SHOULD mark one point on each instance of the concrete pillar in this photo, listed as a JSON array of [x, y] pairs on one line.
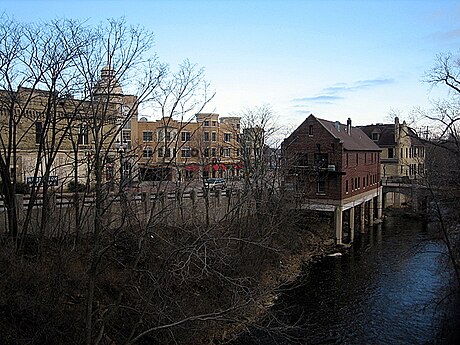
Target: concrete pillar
[[414, 200], [371, 212], [397, 197], [20, 208], [352, 224], [361, 216], [338, 224], [379, 205]]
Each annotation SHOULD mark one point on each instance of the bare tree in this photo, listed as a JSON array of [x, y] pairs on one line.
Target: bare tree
[[444, 119]]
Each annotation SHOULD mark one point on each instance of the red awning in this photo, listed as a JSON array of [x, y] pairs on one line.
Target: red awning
[[192, 167], [215, 166], [222, 167]]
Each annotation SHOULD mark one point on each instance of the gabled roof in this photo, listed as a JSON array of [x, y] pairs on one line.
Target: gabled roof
[[386, 133], [357, 140]]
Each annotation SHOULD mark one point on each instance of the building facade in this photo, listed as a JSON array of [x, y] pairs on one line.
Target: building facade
[[168, 149], [403, 153], [56, 135], [334, 167]]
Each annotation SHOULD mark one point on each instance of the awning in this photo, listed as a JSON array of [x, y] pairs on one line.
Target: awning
[[192, 167]]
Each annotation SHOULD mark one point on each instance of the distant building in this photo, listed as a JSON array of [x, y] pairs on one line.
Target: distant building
[[168, 149], [61, 125], [334, 167], [403, 153]]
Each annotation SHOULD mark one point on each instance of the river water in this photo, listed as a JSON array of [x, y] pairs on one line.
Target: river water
[[390, 288]]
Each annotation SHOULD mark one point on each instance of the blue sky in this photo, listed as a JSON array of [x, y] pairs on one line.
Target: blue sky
[[335, 59]]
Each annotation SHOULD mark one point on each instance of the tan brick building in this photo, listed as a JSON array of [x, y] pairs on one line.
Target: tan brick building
[[403, 153], [58, 132], [167, 149]]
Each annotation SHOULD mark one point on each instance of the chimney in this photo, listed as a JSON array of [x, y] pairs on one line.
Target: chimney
[[349, 126], [396, 130]]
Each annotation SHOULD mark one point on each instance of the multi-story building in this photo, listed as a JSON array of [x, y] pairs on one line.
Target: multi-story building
[[334, 167], [403, 153], [179, 150], [54, 135]]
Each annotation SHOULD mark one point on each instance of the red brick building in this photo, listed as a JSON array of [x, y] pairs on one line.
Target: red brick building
[[334, 167]]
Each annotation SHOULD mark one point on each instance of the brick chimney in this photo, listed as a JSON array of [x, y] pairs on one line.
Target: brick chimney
[[349, 126]]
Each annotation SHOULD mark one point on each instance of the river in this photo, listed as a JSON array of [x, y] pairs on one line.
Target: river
[[390, 288]]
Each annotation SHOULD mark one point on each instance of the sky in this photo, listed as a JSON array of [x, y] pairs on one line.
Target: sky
[[336, 59]]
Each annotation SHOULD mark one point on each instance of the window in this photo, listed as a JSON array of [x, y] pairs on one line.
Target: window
[[226, 152], [213, 152], [302, 159], [167, 152], [83, 134], [126, 136], [206, 123], [227, 137], [375, 136], [390, 152], [310, 130], [206, 152], [185, 136], [168, 135], [357, 159], [186, 152], [38, 132], [214, 123], [160, 152], [160, 135], [321, 187], [147, 136], [346, 186], [148, 152], [206, 136], [321, 160], [214, 136]]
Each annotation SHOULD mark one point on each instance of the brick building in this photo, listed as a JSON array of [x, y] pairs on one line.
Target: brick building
[[173, 150], [55, 132], [335, 168]]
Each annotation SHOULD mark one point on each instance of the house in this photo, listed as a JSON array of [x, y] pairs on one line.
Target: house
[[334, 168], [403, 153]]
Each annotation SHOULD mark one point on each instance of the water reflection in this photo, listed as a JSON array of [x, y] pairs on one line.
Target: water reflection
[[387, 290]]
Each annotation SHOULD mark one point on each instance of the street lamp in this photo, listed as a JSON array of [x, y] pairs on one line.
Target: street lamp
[[121, 149]]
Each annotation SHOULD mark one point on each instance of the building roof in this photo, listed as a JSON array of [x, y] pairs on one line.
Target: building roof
[[386, 133], [356, 140]]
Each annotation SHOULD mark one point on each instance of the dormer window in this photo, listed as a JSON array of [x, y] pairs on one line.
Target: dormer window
[[375, 136]]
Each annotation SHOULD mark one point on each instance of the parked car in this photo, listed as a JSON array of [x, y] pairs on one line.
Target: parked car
[[215, 183]]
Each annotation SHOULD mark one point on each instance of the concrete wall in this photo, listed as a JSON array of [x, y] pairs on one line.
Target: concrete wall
[[139, 210]]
